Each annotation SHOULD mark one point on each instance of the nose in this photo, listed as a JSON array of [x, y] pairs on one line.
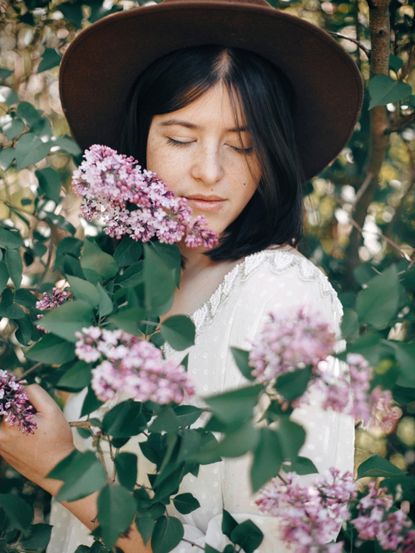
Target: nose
[[207, 165]]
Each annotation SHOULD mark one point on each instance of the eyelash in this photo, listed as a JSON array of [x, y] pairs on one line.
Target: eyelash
[[181, 144]]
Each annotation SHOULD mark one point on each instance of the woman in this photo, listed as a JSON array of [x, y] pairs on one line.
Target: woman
[[226, 127]]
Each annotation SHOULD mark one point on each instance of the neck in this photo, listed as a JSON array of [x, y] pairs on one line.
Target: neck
[[196, 261]]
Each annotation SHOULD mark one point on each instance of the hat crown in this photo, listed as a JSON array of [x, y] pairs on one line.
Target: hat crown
[[249, 2]]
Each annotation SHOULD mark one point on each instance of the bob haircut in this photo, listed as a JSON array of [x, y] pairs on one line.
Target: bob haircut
[[274, 215]]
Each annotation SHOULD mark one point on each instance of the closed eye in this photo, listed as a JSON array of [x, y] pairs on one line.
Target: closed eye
[[180, 144]]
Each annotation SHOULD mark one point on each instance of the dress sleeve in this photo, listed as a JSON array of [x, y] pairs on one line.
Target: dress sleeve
[[329, 435]]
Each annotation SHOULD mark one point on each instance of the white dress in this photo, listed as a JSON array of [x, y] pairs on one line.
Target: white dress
[[272, 279]]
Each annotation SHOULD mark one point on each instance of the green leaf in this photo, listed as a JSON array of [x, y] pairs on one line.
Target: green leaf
[[8, 95], [292, 437], [51, 350], [145, 525], [96, 264], [241, 358], [76, 378], [153, 448], [126, 466], [384, 90], [395, 63], [67, 144], [29, 149], [14, 266], [51, 58], [405, 356], [49, 183], [6, 157], [292, 385], [377, 466], [186, 414], [236, 405], [10, 239], [4, 73], [179, 331], [247, 535], [378, 303], [239, 441], [210, 549], [166, 421], [81, 473], [350, 324], [28, 113], [116, 509], [38, 538], [68, 318], [13, 128], [4, 276], [267, 458], [125, 419], [185, 503], [301, 465], [84, 290], [18, 512], [128, 251], [105, 305], [189, 444], [91, 402], [228, 523], [167, 533], [159, 281], [128, 319]]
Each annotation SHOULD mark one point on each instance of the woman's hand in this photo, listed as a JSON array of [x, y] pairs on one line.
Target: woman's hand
[[35, 455]]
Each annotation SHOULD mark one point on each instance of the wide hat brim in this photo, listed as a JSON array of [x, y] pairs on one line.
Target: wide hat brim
[[101, 64]]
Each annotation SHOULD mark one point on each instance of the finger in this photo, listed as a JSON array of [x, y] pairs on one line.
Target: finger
[[40, 399]]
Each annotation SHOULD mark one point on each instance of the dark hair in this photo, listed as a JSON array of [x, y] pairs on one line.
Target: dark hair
[[274, 215]]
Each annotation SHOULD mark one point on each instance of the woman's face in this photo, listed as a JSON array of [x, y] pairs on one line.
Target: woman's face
[[197, 152]]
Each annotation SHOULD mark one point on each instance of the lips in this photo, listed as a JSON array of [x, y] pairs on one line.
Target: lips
[[202, 198], [206, 203]]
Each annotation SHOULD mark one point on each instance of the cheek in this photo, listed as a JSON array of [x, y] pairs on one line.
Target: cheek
[[161, 161]]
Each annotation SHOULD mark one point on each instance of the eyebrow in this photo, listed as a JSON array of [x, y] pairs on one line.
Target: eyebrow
[[189, 125]]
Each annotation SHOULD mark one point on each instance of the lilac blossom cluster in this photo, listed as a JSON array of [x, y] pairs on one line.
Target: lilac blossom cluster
[[310, 515], [50, 300], [131, 366], [378, 520], [288, 343], [15, 406], [131, 201], [375, 408]]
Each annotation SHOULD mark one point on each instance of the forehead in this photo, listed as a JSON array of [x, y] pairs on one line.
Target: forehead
[[217, 107]]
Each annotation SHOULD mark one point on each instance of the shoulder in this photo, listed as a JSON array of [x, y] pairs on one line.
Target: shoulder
[[285, 277]]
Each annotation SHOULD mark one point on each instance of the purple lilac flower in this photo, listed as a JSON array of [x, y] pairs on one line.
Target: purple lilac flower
[[287, 343], [15, 406], [132, 366], [310, 515], [383, 413], [50, 300], [132, 201], [377, 520]]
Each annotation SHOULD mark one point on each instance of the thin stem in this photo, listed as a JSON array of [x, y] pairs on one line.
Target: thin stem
[[80, 424], [193, 543], [29, 371], [386, 238], [359, 44]]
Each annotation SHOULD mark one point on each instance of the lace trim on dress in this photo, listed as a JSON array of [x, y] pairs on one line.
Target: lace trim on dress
[[279, 260]]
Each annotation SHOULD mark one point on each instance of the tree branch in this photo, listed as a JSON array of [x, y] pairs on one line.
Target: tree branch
[[379, 140]]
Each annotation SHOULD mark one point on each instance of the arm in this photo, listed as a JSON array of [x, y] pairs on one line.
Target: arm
[[34, 456]]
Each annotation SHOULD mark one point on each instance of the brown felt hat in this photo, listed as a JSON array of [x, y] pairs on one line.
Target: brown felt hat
[[101, 64]]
